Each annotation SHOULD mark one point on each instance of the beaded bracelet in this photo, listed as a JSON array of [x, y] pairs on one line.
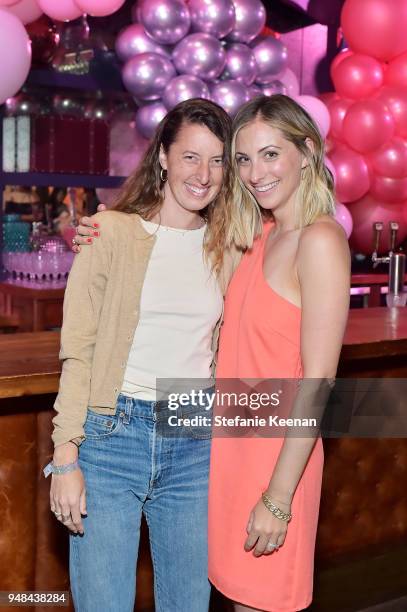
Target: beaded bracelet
[[278, 513]]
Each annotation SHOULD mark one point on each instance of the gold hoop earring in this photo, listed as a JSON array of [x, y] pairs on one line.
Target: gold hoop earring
[[163, 175]]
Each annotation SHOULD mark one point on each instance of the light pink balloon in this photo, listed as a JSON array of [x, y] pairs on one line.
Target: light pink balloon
[[364, 213], [389, 190], [61, 10], [15, 55], [343, 216], [337, 110], [26, 10], [289, 79], [367, 125], [391, 159], [352, 174], [99, 8], [318, 112], [357, 76]]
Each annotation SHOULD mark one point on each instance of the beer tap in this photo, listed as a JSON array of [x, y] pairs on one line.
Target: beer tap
[[397, 263]]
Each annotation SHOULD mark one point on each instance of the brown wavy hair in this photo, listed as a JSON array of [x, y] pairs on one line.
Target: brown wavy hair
[[142, 193]]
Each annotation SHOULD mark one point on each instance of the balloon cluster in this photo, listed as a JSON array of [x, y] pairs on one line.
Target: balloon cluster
[[15, 47], [369, 116], [212, 49]]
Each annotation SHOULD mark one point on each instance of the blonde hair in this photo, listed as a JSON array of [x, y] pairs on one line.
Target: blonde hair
[[315, 195], [142, 193]]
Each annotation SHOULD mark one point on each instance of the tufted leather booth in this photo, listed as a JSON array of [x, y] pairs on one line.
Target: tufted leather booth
[[363, 509]]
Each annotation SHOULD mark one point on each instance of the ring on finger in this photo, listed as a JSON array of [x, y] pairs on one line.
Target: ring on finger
[[272, 546], [74, 241], [57, 513]]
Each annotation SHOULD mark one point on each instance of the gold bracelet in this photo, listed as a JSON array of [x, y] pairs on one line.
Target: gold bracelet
[[278, 513]]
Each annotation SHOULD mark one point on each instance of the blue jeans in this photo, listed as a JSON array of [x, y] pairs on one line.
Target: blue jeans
[[130, 469]]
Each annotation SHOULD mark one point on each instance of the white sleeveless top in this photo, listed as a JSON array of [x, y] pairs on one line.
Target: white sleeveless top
[[181, 303]]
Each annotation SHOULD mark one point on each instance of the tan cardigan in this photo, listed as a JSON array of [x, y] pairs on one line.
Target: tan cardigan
[[101, 313]]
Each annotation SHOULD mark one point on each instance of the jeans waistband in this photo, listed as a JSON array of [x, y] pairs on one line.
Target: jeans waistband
[[158, 410]]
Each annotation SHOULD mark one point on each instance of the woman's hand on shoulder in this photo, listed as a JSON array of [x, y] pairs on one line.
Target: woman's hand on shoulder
[[87, 230]]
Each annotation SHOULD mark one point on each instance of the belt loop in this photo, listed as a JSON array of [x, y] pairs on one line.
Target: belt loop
[[154, 410], [127, 410]]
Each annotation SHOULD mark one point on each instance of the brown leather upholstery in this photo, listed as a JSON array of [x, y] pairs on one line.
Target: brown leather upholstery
[[364, 501]]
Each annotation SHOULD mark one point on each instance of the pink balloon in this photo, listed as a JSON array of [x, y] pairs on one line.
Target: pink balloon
[[391, 159], [376, 27], [330, 167], [328, 97], [8, 2], [364, 213], [367, 125], [352, 174], [396, 73], [15, 55], [389, 190], [343, 216], [318, 112], [337, 110], [339, 58], [395, 98], [99, 8], [26, 10], [289, 79], [357, 76], [62, 10]]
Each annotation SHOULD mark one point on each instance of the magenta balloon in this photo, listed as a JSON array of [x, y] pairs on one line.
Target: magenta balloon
[[146, 75], [357, 76], [330, 167], [395, 99], [200, 54], [289, 79], [15, 55], [376, 27], [167, 21], [62, 10], [230, 95], [275, 87], [250, 20], [255, 91], [26, 10], [337, 111], [216, 17], [396, 73], [148, 117], [367, 125], [133, 40], [318, 111], [343, 216], [387, 189], [99, 8], [352, 174], [339, 58], [271, 58], [391, 159], [367, 211], [240, 63], [184, 87]]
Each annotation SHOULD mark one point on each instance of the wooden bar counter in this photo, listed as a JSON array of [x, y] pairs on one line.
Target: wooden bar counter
[[362, 536]]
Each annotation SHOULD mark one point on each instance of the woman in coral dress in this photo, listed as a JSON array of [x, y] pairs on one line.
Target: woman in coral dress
[[285, 315]]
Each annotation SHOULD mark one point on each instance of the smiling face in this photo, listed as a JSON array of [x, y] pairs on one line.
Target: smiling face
[[194, 164], [269, 165]]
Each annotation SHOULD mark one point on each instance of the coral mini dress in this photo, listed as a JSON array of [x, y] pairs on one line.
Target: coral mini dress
[[260, 339]]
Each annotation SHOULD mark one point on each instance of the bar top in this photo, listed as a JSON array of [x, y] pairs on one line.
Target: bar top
[[29, 363]]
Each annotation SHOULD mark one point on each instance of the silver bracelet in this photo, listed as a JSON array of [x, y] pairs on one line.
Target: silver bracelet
[[60, 469]]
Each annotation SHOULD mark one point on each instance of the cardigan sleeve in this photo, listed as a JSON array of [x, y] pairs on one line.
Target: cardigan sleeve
[[83, 303]]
